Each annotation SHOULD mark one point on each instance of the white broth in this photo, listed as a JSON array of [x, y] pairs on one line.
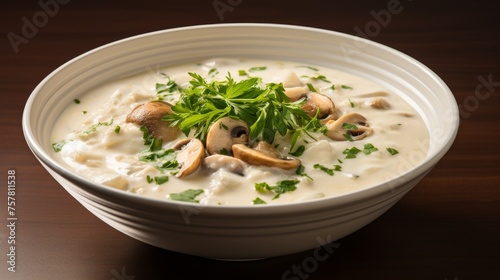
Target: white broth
[[93, 137]]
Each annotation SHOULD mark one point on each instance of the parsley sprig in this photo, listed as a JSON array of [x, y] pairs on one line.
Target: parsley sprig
[[264, 107]]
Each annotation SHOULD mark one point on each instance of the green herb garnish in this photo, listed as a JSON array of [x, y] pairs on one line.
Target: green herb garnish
[[301, 171], [346, 87], [161, 179], [280, 188], [259, 68], [310, 67], [264, 107], [299, 151], [117, 129], [369, 148], [94, 127], [349, 126], [77, 101], [258, 200], [351, 153], [392, 151], [242, 73], [311, 87], [319, 77], [170, 86], [327, 170], [58, 146], [348, 137], [187, 195], [213, 71], [149, 140]]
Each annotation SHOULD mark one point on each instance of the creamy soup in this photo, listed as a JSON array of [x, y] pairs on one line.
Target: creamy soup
[[240, 132]]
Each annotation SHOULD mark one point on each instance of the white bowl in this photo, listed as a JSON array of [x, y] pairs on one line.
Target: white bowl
[[227, 232]]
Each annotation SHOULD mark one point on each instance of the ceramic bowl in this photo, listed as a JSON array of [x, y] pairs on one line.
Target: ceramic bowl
[[240, 232]]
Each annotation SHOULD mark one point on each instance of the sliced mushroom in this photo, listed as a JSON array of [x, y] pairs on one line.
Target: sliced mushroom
[[296, 93], [317, 101], [224, 133], [267, 149], [189, 157], [380, 103], [231, 164], [150, 115], [337, 130], [256, 157]]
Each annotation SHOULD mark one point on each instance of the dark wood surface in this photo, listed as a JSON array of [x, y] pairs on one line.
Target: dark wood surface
[[447, 227]]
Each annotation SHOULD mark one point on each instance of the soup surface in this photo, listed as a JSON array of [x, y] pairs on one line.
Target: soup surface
[[240, 132]]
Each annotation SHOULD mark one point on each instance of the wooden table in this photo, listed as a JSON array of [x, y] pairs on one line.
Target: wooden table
[[447, 227]]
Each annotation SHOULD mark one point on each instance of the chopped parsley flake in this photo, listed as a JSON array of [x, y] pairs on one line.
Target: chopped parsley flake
[[311, 87], [117, 129], [94, 127], [346, 87], [77, 101], [301, 172], [213, 71], [149, 140], [258, 200], [392, 151], [327, 170], [348, 137], [349, 126], [351, 153], [169, 87], [369, 148], [242, 72], [352, 103], [259, 68], [299, 151], [187, 195], [319, 77], [164, 90], [58, 146], [280, 188], [161, 179]]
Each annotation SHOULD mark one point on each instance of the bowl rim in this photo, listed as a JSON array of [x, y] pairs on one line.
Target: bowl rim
[[356, 197]]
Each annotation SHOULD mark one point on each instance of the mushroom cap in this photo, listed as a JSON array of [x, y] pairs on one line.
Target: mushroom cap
[[336, 132], [190, 156], [150, 115], [267, 149], [317, 101], [256, 157], [229, 163], [380, 103], [224, 133]]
